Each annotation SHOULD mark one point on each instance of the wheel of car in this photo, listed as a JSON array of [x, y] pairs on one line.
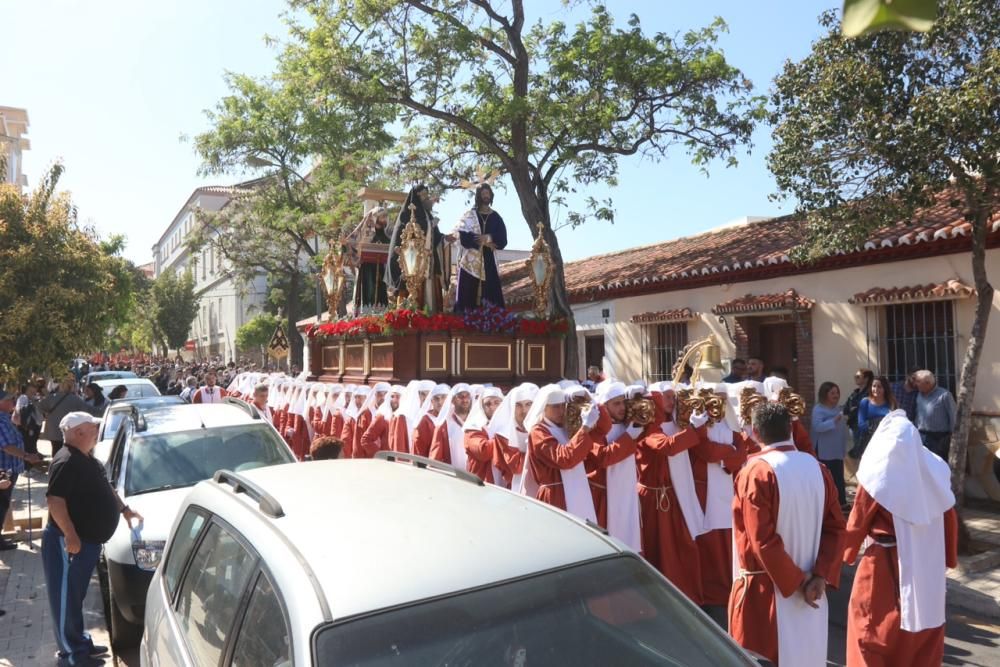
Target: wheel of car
[[123, 633]]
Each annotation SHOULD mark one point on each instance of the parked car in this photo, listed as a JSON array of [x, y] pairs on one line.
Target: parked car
[[97, 376], [156, 455], [368, 562], [137, 387], [117, 411]]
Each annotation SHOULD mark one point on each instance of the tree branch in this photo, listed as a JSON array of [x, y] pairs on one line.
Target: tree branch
[[451, 19]]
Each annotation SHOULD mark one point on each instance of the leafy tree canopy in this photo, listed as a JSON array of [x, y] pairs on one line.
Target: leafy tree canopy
[[61, 287], [176, 306], [257, 331]]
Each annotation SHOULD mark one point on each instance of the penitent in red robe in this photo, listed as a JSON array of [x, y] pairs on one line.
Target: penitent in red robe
[[501, 463], [399, 439], [602, 455], [373, 439], [874, 635], [548, 457], [666, 541], [347, 436], [440, 448], [800, 436], [715, 548], [299, 439], [423, 436], [479, 451], [752, 611]]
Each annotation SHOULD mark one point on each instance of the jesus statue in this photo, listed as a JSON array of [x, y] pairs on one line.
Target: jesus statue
[[481, 233]]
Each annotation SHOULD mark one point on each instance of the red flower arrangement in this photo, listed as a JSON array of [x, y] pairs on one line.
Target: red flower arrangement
[[400, 320]]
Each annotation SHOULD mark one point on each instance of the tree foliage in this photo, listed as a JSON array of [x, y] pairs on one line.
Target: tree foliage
[[257, 331], [176, 306], [866, 16], [61, 287], [870, 130], [306, 155], [554, 106]]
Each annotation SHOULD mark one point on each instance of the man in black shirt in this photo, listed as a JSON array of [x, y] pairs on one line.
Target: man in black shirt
[[83, 514]]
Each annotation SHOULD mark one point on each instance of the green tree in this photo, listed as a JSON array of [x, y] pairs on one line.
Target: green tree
[[176, 306], [870, 130], [256, 333], [866, 16], [303, 152], [554, 107], [61, 287]]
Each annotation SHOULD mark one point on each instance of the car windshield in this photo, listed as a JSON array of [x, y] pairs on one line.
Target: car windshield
[[614, 611], [111, 422], [173, 460]]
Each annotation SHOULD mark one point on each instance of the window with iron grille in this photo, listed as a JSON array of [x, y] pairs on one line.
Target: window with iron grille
[[913, 335], [663, 343]]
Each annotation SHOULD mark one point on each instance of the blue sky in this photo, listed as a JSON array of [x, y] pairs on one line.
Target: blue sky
[[111, 86]]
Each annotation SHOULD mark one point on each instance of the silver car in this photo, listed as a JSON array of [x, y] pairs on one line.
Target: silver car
[[374, 562]]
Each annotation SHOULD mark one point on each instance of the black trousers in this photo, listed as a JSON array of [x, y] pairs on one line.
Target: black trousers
[[836, 468], [938, 442], [5, 498]]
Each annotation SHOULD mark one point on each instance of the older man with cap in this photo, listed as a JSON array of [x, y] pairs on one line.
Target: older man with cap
[[611, 467], [422, 436], [511, 438], [553, 467], [668, 502], [83, 514], [376, 437], [905, 509], [448, 444], [480, 447]]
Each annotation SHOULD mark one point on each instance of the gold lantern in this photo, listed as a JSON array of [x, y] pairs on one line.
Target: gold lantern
[[333, 278], [414, 259], [540, 268]]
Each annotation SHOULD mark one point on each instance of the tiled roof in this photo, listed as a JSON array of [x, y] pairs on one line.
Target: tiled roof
[[675, 315], [953, 289], [742, 253], [755, 303]]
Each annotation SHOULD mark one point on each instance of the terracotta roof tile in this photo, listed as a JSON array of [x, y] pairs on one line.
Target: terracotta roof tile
[[657, 316], [736, 253], [755, 303], [952, 289]]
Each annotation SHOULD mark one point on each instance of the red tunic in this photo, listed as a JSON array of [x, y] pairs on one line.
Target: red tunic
[[423, 436], [715, 548], [199, 398], [507, 467], [373, 439], [800, 436], [874, 636], [752, 611], [319, 424], [347, 435], [399, 439], [361, 425], [479, 451], [548, 457], [666, 541], [440, 447], [299, 439], [334, 424], [602, 455]]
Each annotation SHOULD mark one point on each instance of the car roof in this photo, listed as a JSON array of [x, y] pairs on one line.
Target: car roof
[[190, 416], [379, 533], [105, 375], [147, 401]]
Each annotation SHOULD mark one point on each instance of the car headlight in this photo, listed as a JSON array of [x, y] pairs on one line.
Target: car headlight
[[147, 554]]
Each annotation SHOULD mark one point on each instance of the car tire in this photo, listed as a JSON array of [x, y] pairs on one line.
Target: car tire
[[124, 635]]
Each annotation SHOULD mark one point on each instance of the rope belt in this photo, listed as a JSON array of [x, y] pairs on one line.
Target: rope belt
[[662, 497], [596, 485], [745, 578], [884, 543], [548, 486]]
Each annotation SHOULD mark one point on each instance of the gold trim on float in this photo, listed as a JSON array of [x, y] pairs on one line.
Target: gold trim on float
[[380, 368], [427, 356], [527, 359], [507, 368]]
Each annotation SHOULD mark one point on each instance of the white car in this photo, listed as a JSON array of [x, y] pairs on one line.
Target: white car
[[157, 454], [137, 387], [116, 413], [374, 562]]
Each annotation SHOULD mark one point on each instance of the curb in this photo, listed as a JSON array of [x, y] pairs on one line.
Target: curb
[[965, 598]]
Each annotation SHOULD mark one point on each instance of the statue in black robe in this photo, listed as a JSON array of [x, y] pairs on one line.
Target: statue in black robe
[[433, 294]]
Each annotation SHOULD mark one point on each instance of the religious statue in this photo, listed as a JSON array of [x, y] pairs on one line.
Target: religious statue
[[481, 232], [420, 201], [370, 287]]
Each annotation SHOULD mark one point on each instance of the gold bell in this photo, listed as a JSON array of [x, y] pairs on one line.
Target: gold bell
[[710, 364]]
